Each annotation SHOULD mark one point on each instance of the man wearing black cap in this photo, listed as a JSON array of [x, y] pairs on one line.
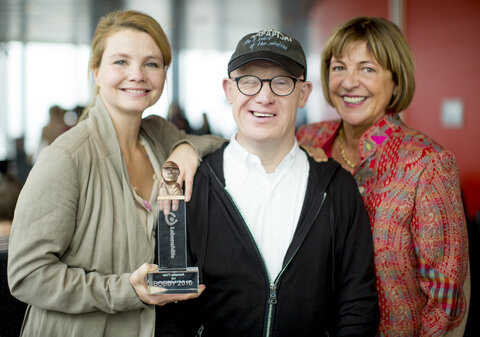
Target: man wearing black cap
[[283, 243]]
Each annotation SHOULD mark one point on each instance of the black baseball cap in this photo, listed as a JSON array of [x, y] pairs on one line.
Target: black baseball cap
[[271, 45]]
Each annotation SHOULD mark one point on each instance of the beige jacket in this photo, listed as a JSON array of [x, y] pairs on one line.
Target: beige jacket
[[76, 234]]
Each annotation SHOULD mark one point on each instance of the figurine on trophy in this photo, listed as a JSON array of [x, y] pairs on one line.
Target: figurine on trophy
[[173, 275], [169, 188]]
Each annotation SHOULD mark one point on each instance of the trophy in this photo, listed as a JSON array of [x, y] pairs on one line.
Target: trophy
[[173, 275]]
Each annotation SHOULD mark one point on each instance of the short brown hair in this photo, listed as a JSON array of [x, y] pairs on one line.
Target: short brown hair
[[386, 43]]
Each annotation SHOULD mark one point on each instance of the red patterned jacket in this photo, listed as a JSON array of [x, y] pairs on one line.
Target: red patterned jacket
[[410, 187]]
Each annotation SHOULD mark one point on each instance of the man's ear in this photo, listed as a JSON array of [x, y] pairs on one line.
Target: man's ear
[[228, 86], [305, 92]]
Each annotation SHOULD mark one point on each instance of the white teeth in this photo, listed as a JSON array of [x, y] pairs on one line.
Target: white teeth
[[136, 91], [260, 114], [353, 100]]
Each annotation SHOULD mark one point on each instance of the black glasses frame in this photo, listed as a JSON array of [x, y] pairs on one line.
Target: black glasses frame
[[269, 80]]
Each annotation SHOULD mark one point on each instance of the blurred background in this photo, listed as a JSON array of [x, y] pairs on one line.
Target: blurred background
[[44, 51]]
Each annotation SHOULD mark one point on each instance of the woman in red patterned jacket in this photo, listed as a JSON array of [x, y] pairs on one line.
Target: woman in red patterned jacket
[[409, 183]]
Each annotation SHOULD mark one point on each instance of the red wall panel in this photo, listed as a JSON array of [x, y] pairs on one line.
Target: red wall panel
[[329, 13], [445, 41]]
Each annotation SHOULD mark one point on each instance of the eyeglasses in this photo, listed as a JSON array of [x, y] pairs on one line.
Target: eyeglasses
[[250, 85]]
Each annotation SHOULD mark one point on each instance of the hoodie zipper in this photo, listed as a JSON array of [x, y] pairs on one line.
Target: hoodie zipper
[[272, 298], [272, 294]]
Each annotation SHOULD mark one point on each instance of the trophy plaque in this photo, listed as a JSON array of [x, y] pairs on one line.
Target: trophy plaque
[[173, 276]]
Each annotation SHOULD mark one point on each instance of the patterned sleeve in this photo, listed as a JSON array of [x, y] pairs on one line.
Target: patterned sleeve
[[441, 244]]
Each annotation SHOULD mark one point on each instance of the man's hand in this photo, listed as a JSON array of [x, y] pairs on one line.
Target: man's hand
[[316, 153]]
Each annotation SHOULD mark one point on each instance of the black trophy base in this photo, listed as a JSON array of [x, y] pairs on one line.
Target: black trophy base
[[173, 281]]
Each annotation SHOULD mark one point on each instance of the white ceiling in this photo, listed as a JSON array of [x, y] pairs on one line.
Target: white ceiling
[[64, 21], [205, 24]]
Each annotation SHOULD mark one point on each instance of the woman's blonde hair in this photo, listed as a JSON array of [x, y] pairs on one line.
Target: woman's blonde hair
[[386, 43], [119, 20]]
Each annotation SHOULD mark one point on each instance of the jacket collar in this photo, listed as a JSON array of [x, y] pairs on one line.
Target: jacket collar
[[106, 137], [320, 176], [376, 135], [103, 127]]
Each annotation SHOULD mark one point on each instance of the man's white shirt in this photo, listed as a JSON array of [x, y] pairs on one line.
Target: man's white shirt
[[270, 203]]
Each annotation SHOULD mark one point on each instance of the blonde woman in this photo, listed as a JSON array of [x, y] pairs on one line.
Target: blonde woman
[[83, 236]]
